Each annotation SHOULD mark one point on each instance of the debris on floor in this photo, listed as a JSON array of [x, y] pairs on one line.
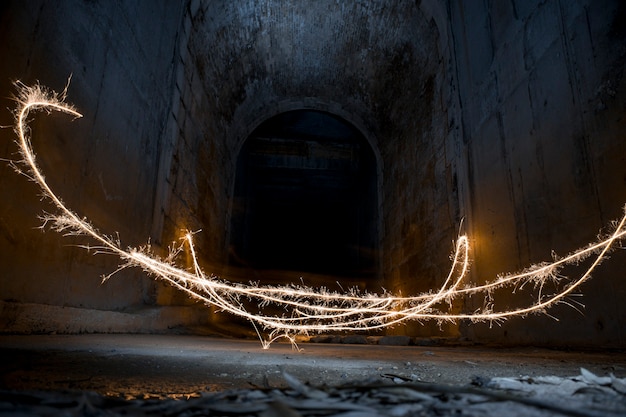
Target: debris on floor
[[584, 395]]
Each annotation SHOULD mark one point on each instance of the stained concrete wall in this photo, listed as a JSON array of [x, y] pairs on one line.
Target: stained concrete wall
[[506, 114], [377, 65], [541, 92], [223, 69], [104, 165]]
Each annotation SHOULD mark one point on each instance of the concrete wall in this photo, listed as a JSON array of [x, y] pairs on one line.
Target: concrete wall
[[541, 91], [378, 66], [368, 63], [104, 166], [506, 114]]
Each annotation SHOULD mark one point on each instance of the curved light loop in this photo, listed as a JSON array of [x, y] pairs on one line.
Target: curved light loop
[[308, 310]]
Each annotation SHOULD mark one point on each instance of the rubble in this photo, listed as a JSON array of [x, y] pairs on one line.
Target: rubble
[[584, 395]]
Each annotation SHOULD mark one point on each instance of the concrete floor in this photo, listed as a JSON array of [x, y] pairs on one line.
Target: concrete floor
[[158, 366]]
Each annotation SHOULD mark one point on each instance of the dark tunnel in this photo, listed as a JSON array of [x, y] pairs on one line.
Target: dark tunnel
[[305, 197]]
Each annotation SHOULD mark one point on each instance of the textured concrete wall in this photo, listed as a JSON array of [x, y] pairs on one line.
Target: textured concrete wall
[[104, 165], [376, 65], [542, 95]]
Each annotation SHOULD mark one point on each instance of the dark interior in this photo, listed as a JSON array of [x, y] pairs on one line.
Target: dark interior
[[305, 197]]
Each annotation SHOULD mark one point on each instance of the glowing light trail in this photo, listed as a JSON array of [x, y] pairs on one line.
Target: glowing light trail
[[307, 309]]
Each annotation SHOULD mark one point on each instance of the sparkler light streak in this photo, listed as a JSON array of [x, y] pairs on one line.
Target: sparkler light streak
[[307, 310]]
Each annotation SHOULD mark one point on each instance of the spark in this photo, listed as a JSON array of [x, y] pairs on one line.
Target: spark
[[308, 310]]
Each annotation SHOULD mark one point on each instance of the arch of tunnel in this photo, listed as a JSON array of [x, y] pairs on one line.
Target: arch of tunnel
[[305, 199], [340, 143]]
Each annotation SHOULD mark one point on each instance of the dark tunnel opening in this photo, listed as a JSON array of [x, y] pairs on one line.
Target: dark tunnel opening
[[306, 198]]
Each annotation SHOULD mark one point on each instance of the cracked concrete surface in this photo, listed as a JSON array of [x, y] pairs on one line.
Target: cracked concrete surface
[[160, 366]]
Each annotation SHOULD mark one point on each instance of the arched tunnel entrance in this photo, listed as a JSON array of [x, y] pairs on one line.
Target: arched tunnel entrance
[[306, 198]]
